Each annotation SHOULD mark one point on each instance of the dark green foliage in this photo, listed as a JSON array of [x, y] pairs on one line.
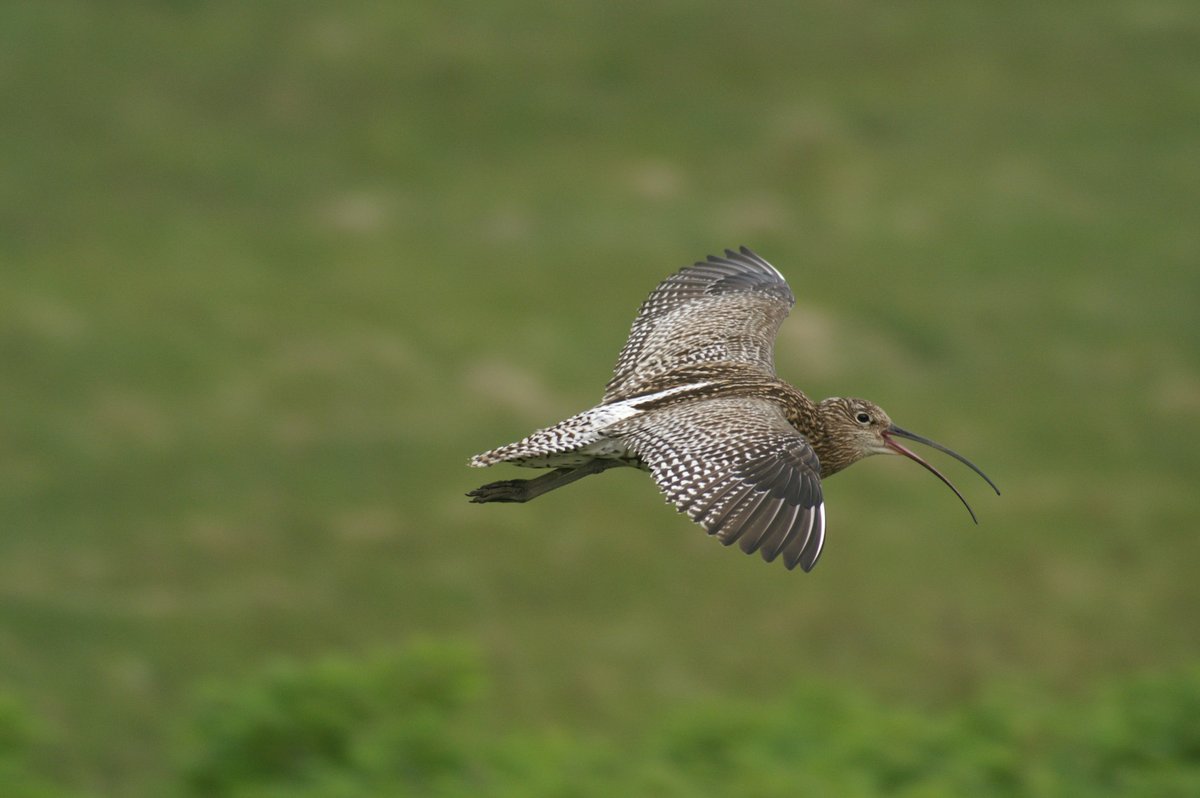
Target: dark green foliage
[[1139, 738], [410, 724], [413, 722], [388, 716]]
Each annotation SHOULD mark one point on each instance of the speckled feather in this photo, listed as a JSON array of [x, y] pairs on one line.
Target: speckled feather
[[695, 401], [737, 466], [725, 310]]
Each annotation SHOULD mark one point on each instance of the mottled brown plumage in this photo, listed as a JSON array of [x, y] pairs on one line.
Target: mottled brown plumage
[[695, 401]]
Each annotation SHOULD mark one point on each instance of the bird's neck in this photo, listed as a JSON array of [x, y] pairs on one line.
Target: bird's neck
[[834, 451], [811, 419]]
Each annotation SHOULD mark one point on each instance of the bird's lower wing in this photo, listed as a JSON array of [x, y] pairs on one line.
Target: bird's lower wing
[[739, 469]]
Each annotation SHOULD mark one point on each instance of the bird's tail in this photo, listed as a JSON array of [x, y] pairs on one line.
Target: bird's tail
[[548, 447]]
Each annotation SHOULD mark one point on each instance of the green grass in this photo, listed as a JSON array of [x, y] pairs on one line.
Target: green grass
[[272, 271]]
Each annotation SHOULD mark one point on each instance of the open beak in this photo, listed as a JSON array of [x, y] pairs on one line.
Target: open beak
[[911, 455]]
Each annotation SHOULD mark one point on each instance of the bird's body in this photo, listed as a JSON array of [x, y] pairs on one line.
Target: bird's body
[[695, 401]]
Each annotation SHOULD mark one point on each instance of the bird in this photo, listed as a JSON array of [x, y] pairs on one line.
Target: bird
[[695, 401]]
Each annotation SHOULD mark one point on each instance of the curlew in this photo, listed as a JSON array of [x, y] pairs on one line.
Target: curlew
[[695, 401]]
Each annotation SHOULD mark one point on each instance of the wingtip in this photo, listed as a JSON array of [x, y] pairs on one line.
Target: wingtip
[[816, 544]]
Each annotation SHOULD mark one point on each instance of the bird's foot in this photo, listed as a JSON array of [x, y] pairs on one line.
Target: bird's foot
[[506, 490]]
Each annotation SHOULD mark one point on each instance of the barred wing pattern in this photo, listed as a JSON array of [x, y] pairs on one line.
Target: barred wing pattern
[[737, 467], [722, 309]]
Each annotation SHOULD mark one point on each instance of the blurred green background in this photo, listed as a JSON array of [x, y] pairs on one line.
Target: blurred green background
[[272, 271]]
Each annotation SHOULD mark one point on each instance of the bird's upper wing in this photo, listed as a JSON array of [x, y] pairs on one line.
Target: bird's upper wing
[[737, 467], [721, 309]]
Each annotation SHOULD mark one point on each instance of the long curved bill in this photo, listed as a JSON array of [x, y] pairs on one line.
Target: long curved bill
[[911, 455]]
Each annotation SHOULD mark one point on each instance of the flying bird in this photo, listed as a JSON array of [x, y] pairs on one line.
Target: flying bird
[[695, 401]]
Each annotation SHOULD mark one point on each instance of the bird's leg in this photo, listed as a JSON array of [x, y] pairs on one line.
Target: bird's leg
[[522, 490]]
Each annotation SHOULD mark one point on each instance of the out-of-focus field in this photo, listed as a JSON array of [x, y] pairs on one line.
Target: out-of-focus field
[[272, 271]]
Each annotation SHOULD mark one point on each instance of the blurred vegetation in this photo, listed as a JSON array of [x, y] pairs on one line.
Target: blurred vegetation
[[411, 722], [404, 725], [272, 271]]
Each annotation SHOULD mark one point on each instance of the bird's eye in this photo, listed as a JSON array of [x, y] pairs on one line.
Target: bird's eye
[[862, 418]]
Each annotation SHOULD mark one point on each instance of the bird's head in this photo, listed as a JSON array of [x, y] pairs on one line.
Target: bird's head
[[858, 428]]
